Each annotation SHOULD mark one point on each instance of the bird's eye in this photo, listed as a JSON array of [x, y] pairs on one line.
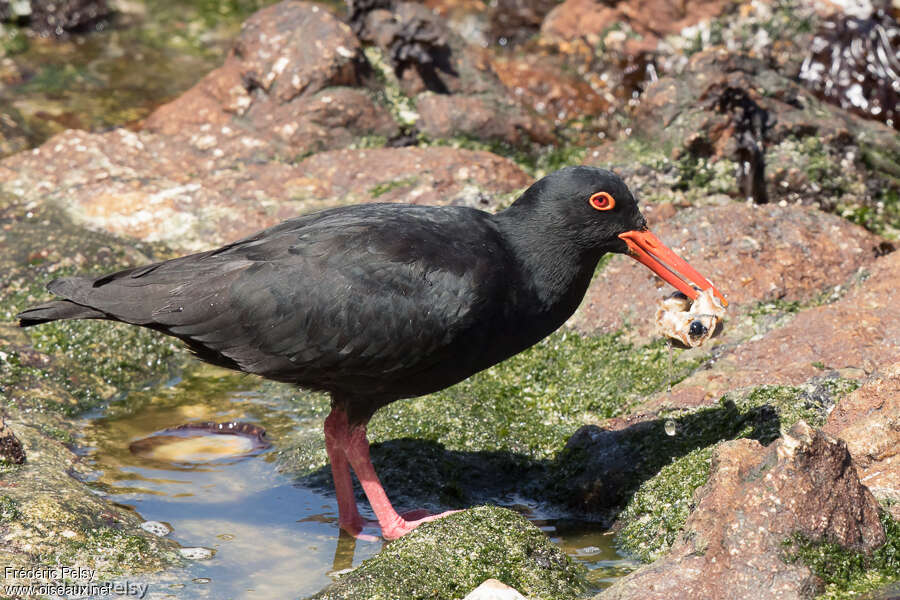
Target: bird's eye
[[602, 201]]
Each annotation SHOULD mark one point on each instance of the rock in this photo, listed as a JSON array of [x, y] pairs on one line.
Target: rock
[[288, 87], [449, 557], [753, 254], [435, 175], [14, 134], [868, 420], [492, 589], [455, 91], [730, 106], [62, 17], [546, 86], [756, 498], [649, 19], [443, 116], [856, 335], [108, 181]]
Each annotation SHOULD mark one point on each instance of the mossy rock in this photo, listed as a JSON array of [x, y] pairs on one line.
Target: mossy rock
[[659, 506], [47, 516], [448, 558], [846, 573]]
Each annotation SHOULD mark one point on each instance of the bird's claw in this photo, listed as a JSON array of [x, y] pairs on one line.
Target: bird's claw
[[409, 521]]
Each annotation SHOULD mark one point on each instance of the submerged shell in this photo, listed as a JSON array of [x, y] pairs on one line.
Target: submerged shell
[[691, 323], [201, 442]]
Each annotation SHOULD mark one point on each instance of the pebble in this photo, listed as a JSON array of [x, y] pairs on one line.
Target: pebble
[[157, 528], [196, 553]]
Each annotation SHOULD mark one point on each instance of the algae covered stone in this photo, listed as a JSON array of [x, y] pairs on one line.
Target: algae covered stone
[[450, 557]]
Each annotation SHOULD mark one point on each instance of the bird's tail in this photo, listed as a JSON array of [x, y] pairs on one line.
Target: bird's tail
[[60, 309]]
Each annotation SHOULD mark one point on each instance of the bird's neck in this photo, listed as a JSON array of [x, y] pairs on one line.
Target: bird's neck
[[558, 269]]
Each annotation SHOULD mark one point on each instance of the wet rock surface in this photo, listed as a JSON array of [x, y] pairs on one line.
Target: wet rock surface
[[117, 183], [756, 497]]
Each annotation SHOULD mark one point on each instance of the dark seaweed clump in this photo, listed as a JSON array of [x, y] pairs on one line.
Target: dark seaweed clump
[[855, 63]]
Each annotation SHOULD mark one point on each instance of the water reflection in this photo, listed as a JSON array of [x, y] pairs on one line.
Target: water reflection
[[270, 537]]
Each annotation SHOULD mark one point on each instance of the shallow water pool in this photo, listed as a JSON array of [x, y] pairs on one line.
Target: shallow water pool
[[270, 537]]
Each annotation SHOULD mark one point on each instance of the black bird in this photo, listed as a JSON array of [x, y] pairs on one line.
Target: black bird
[[377, 302]]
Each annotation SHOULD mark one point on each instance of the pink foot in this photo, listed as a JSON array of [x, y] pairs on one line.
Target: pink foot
[[409, 521]]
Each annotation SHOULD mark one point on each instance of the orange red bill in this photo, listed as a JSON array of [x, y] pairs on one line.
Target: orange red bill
[[646, 248]]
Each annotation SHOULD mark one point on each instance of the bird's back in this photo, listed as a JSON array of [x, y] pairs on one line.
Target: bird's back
[[383, 301]]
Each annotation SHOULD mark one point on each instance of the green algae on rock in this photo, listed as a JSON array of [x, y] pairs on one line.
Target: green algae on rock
[[50, 517], [657, 510], [448, 558], [846, 573]]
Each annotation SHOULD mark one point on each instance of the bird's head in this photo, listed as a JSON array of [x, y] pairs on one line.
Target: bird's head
[[596, 209]]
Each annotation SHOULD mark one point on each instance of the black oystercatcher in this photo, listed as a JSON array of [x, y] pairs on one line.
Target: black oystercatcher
[[378, 302]]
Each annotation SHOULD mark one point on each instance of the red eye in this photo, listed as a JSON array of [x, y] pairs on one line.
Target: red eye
[[602, 201]]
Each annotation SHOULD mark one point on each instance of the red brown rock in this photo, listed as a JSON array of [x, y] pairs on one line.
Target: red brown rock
[[281, 92], [650, 19], [543, 84], [136, 185], [732, 543], [868, 420], [443, 116]]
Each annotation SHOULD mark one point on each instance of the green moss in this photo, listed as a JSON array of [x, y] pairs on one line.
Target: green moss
[[847, 573], [531, 403], [448, 558], [777, 306], [113, 552], [67, 366], [657, 510], [9, 510], [383, 188]]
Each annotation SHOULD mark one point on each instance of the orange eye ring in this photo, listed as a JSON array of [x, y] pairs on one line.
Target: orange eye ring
[[602, 201]]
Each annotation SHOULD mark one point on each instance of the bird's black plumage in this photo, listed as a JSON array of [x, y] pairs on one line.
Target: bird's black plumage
[[374, 302]]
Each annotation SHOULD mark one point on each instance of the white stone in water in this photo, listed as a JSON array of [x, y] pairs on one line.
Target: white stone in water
[[157, 528], [588, 551], [493, 589], [197, 553], [671, 428]]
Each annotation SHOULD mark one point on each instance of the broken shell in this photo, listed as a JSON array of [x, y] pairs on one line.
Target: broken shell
[[202, 442], [691, 323]]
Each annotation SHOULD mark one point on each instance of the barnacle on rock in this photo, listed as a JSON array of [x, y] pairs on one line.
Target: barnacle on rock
[[855, 63], [11, 449]]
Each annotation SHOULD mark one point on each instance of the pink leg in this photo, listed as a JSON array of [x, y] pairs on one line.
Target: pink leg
[[392, 524], [336, 441]]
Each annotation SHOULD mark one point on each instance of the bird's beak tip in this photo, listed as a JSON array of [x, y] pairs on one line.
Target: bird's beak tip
[[647, 249]]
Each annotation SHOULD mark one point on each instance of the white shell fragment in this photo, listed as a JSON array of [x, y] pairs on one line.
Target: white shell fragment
[[157, 528], [691, 323], [197, 553]]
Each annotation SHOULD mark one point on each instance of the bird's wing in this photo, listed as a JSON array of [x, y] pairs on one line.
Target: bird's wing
[[345, 293]]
